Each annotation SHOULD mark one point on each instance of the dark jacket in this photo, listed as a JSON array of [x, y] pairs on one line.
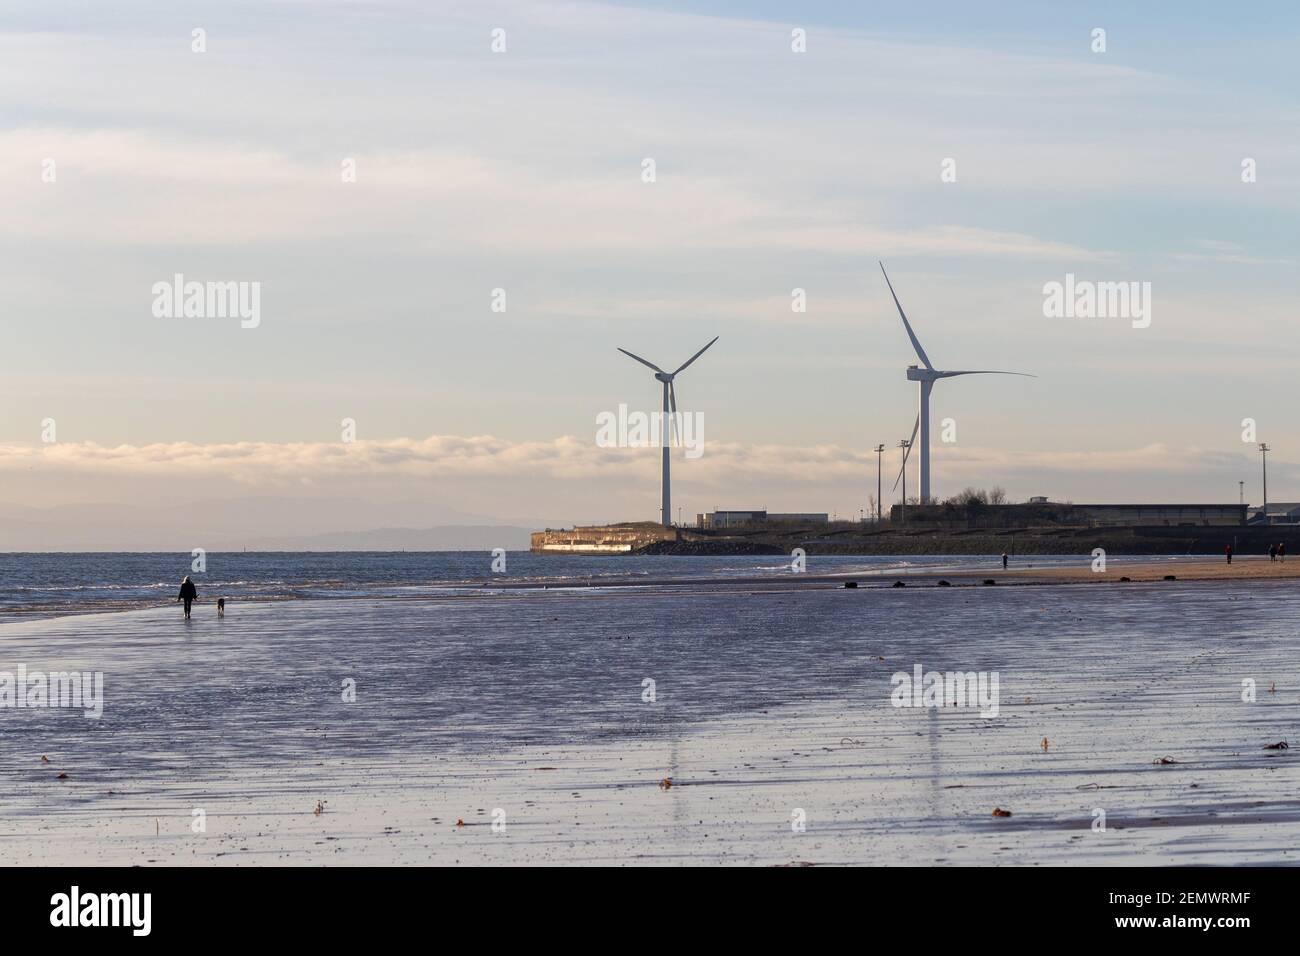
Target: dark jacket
[[188, 590]]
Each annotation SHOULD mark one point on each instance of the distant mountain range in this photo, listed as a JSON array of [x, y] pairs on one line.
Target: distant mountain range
[[451, 537], [261, 524]]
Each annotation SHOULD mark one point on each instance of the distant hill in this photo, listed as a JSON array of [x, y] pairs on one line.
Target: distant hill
[[267, 523], [452, 537]]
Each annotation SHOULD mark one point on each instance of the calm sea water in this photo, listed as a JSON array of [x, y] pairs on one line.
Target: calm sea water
[[66, 583]]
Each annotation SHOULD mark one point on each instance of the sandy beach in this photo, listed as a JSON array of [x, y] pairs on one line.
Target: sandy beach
[[1247, 568], [771, 708], [964, 570]]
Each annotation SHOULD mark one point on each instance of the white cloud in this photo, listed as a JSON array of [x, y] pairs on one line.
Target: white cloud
[[1218, 250], [145, 188], [563, 458]]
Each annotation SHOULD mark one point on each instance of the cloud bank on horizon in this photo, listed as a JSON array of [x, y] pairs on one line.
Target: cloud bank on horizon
[[560, 479], [523, 170]]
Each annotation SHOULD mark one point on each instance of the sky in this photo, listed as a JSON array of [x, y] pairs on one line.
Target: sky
[[980, 154]]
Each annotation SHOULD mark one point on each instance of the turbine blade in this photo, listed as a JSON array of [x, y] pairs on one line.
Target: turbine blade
[[641, 360], [907, 451], [695, 356], [672, 421], [984, 371], [920, 352], [902, 469]]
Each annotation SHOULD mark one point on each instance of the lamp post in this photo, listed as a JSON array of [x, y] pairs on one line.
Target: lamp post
[[904, 444], [880, 453], [1263, 456]]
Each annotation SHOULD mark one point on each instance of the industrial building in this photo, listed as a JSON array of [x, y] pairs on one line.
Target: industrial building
[[1158, 514], [1279, 512], [735, 519], [1040, 511]]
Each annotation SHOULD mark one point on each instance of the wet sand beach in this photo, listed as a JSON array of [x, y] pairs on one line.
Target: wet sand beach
[[1242, 568], [766, 704], [966, 570]]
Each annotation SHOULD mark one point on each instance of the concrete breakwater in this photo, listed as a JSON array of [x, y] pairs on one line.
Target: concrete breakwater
[[624, 538], [650, 538], [1118, 541]]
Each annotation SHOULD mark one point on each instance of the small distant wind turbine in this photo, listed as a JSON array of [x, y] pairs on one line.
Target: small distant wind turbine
[[927, 377], [670, 400]]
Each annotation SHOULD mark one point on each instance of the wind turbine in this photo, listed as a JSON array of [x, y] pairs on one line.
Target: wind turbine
[[670, 399], [927, 376]]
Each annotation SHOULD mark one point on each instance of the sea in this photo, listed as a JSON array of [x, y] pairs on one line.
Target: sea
[[51, 584]]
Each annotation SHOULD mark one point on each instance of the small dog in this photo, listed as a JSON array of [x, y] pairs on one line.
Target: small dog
[[221, 607]]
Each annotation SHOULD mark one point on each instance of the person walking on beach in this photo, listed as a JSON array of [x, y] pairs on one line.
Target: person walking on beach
[[1227, 549], [1281, 550], [1272, 552], [189, 594], [1004, 560]]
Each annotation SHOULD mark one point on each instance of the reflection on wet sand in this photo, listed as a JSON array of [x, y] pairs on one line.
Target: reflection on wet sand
[[767, 702]]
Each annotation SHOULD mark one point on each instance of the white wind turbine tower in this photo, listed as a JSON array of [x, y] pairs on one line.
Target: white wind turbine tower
[[927, 376], [670, 400]]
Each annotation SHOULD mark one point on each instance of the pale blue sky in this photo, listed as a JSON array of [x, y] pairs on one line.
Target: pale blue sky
[[522, 170]]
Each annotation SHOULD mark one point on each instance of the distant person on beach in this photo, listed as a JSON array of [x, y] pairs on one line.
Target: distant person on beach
[[189, 594], [1281, 551], [1228, 551], [1272, 552], [1004, 560]]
